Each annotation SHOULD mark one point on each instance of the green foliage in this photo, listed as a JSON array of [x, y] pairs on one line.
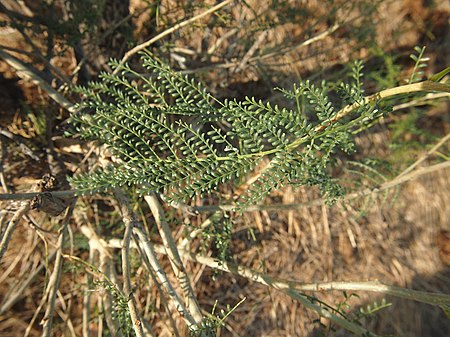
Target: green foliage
[[440, 75], [220, 232], [420, 63], [385, 75], [408, 136], [345, 310], [169, 134], [120, 311], [371, 309], [215, 320]]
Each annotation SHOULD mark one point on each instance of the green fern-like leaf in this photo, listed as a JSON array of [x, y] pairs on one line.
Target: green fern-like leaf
[[420, 62], [168, 133]]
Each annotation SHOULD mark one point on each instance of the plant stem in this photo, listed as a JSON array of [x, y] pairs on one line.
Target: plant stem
[[26, 72], [130, 221], [53, 284], [174, 257], [6, 235], [31, 195], [150, 253]]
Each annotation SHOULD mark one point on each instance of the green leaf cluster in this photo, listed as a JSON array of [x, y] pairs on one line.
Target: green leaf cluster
[[167, 133]]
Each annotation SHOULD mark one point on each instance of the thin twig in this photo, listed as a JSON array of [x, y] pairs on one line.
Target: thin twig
[[176, 27], [20, 290], [421, 101], [6, 235], [102, 246], [183, 245], [105, 267], [86, 311], [53, 284], [130, 222], [323, 312], [291, 288], [112, 28], [163, 298], [31, 195], [174, 257], [251, 51], [21, 142], [377, 287], [282, 284], [149, 251], [27, 73], [284, 50], [426, 155], [424, 86]]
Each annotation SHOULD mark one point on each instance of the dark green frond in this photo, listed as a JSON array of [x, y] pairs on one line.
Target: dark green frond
[[167, 133]]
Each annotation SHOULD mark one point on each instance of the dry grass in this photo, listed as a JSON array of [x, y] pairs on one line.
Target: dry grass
[[394, 241]]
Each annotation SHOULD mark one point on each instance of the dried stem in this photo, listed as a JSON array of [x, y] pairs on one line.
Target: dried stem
[[105, 267], [21, 142], [20, 291], [174, 257], [278, 283], [291, 288], [176, 27], [6, 235], [31, 195], [426, 155], [27, 73], [105, 255], [323, 312], [130, 222], [87, 296], [163, 298], [149, 251], [53, 283], [282, 284]]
